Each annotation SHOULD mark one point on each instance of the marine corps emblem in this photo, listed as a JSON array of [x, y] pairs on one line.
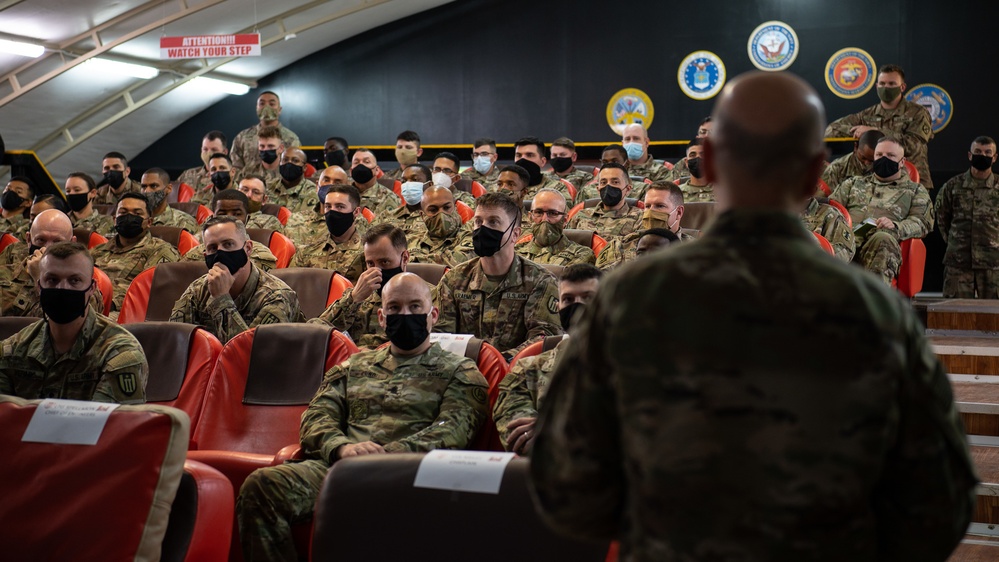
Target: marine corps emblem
[[701, 75], [773, 46], [850, 73], [936, 100], [629, 106], [127, 383]]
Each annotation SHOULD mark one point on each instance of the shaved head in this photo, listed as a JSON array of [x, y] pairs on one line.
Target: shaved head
[[635, 129], [410, 284], [49, 227]]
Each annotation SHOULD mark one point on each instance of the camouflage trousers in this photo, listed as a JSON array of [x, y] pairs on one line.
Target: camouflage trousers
[[964, 283], [881, 254], [270, 501]]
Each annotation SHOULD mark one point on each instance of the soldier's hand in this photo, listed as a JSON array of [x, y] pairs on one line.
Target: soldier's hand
[[32, 265], [858, 130], [521, 435], [885, 222], [369, 282], [219, 280], [358, 449]]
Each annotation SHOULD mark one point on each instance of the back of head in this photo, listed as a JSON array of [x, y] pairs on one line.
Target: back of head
[[396, 235], [232, 195], [869, 139]]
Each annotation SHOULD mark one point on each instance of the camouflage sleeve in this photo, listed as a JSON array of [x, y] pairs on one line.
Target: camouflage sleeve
[[840, 235], [928, 488], [462, 410], [515, 399], [919, 221], [944, 210], [447, 321], [196, 253], [611, 256], [356, 268], [843, 194], [125, 373], [184, 309], [324, 423], [227, 322], [841, 127], [540, 315], [919, 131], [344, 313], [188, 223], [236, 152], [576, 457], [584, 255], [166, 254]]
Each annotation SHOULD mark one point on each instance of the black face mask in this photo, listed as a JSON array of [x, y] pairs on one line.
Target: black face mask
[[221, 179], [561, 164], [361, 174], [114, 178], [128, 226], [78, 201], [610, 196], [567, 315], [233, 260], [885, 167], [981, 162], [406, 331], [388, 274], [10, 200], [532, 169], [487, 241], [268, 156], [694, 165], [32, 249], [336, 158], [338, 223], [290, 172], [62, 306]]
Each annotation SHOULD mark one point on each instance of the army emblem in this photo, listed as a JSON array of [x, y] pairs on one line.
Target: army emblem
[[850, 73], [127, 383], [553, 304], [936, 100], [629, 106], [773, 46], [701, 75]]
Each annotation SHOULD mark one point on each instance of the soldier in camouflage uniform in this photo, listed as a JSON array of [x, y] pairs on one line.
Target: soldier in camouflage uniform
[[254, 187], [307, 227], [199, 178], [510, 313], [895, 116], [15, 201], [901, 208], [235, 204], [828, 221], [116, 180], [449, 165], [696, 188], [341, 250], [968, 218], [856, 163], [443, 230], [364, 173], [407, 153], [613, 216], [74, 353], [245, 153], [663, 210], [357, 411], [408, 216], [484, 169], [293, 191], [548, 244], [714, 445], [563, 158], [234, 295], [529, 154], [521, 391], [269, 150], [132, 250], [221, 176], [80, 192], [616, 154], [635, 140], [156, 187]]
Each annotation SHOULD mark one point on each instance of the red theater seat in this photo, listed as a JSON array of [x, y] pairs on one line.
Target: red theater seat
[[196, 210], [910, 168], [6, 240], [280, 245], [107, 289], [571, 188], [91, 239], [826, 245], [537, 348], [184, 193], [200, 528], [167, 282], [282, 213], [181, 239], [316, 288], [910, 274], [464, 211], [368, 214]]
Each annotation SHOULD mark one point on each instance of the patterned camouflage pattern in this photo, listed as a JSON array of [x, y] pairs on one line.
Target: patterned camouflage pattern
[[578, 178], [106, 197], [15, 253], [260, 255], [510, 314], [306, 228], [906, 203], [380, 199], [265, 299], [264, 221], [16, 226], [410, 220], [443, 251], [204, 191], [590, 191], [650, 170], [966, 283], [175, 218], [909, 122], [968, 219], [522, 390], [487, 181], [619, 251], [105, 364], [607, 223], [271, 177], [300, 198], [96, 222], [346, 258], [830, 223], [123, 264], [562, 252], [548, 183], [18, 293], [359, 320], [693, 193], [680, 170], [716, 447], [244, 150], [361, 400], [845, 166]]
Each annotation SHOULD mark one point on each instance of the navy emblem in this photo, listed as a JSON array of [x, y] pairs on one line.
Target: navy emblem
[[701, 75], [936, 100], [850, 73], [773, 46]]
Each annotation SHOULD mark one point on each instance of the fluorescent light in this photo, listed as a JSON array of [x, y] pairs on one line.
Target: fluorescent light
[[23, 49], [223, 86], [121, 68]]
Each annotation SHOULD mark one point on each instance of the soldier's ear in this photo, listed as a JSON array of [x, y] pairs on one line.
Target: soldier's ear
[[432, 317], [381, 318]]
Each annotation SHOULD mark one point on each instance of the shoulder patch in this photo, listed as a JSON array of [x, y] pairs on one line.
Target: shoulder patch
[[127, 383], [553, 304], [479, 394]]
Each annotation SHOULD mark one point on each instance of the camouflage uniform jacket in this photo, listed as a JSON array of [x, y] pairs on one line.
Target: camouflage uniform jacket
[[260, 255], [306, 227], [692, 193], [410, 220], [346, 258], [548, 183], [265, 299], [200, 180], [380, 200], [427, 249], [106, 197], [509, 313], [838, 170], [576, 177], [606, 222], [299, 198], [205, 191], [105, 364], [271, 177], [179, 219], [94, 222], [968, 218], [680, 170], [650, 170], [830, 223], [244, 147], [123, 264], [15, 253], [435, 400], [15, 226], [18, 293], [359, 320], [640, 445], [562, 252], [903, 201], [909, 121], [395, 174], [487, 181], [264, 221], [521, 391], [622, 250]]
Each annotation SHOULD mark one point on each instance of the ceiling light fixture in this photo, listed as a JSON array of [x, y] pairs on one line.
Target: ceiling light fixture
[[223, 86], [122, 68], [23, 49]]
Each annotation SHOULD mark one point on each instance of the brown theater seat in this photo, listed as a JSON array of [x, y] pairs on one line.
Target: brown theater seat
[[429, 272], [10, 325], [697, 215], [316, 288]]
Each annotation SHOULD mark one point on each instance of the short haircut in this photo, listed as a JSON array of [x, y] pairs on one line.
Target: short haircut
[[91, 184], [135, 195], [892, 68], [216, 135], [220, 155], [409, 136], [565, 142], [231, 195], [257, 177], [350, 191], [616, 166], [889, 138], [53, 201], [773, 157], [226, 219], [983, 140], [368, 150], [163, 174], [870, 138], [271, 93], [449, 156], [66, 250], [495, 200], [118, 155], [427, 173], [485, 141], [675, 193], [693, 143], [660, 232], [550, 190], [386, 230], [527, 141], [26, 181], [706, 120], [523, 174], [579, 272], [269, 132], [340, 141], [616, 148]]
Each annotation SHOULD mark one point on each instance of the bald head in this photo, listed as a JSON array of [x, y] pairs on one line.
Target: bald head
[[435, 199], [49, 227], [766, 148], [406, 286], [404, 296]]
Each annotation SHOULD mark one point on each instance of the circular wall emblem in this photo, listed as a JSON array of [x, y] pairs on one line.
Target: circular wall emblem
[[701, 75], [773, 46], [628, 106], [936, 100], [850, 73]]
